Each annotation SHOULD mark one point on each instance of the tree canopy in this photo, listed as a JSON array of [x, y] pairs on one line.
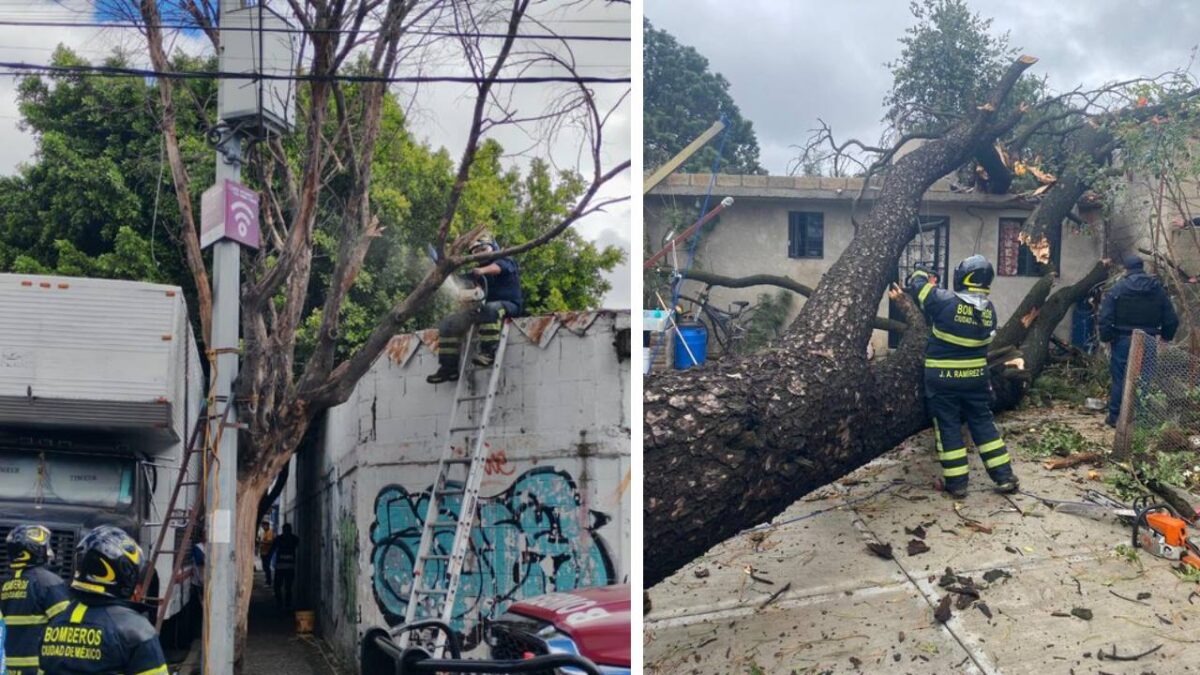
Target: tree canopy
[[683, 98], [948, 61], [97, 201]]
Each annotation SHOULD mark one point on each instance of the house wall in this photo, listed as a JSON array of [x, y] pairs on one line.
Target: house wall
[[752, 238], [556, 514]]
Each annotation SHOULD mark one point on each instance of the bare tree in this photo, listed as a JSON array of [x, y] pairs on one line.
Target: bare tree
[[280, 397]]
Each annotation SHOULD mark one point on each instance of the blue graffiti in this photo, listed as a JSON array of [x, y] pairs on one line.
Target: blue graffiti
[[531, 539]]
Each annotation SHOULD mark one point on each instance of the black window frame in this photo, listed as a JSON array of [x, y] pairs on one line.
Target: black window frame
[[803, 228]]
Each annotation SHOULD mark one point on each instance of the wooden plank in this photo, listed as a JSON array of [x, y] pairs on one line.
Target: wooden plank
[[675, 162]]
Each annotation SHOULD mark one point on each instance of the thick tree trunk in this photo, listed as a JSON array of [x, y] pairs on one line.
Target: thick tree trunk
[[733, 444], [249, 494], [879, 322], [1010, 385]]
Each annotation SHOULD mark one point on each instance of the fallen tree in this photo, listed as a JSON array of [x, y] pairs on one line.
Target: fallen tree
[[733, 444], [1026, 335]]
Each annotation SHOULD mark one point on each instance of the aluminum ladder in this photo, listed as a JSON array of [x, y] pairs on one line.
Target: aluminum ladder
[[436, 570], [187, 517]]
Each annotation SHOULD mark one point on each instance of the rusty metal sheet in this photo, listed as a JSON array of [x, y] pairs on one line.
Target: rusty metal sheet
[[539, 329], [579, 322], [401, 348]]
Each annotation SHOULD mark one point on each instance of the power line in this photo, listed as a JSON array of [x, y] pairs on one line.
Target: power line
[[301, 31], [120, 71]]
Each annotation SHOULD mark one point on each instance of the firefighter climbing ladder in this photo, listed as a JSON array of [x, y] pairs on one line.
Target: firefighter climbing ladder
[[188, 477], [435, 569]]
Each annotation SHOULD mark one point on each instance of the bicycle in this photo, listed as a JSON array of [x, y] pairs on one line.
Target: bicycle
[[728, 327]]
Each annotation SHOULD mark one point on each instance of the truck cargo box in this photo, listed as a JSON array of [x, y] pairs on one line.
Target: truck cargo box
[[97, 354]]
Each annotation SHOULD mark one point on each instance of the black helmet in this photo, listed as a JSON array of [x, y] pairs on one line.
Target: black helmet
[[29, 546], [974, 274], [108, 562]]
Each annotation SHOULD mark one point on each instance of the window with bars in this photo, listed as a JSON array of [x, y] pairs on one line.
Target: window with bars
[[806, 234]]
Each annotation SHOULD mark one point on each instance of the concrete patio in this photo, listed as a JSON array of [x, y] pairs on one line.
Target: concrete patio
[[848, 610]]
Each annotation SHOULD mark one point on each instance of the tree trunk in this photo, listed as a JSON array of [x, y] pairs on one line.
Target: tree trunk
[[879, 322], [1010, 386], [249, 493], [735, 443]]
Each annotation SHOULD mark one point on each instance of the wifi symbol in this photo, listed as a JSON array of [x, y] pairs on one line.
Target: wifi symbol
[[243, 216]]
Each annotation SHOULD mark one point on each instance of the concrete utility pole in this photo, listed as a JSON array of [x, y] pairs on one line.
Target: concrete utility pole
[[220, 615]]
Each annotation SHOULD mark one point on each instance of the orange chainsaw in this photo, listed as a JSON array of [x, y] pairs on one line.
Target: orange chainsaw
[[1159, 530]]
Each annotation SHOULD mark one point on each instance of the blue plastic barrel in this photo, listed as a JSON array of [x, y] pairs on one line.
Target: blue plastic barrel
[[695, 337]]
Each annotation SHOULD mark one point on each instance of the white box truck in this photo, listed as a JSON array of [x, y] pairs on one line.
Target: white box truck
[[100, 387]]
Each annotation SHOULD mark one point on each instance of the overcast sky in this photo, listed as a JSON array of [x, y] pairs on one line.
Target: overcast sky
[[790, 62], [439, 114]]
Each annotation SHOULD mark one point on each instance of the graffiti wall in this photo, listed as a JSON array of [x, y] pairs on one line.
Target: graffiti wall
[[533, 538], [554, 513]]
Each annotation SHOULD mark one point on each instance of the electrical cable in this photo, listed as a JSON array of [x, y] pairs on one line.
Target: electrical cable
[[120, 71], [312, 31]]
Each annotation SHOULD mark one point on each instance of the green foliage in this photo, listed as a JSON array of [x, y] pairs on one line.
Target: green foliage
[[766, 320], [1129, 554], [87, 204], [97, 200], [1068, 382], [682, 99], [1187, 573], [1058, 439], [948, 63]]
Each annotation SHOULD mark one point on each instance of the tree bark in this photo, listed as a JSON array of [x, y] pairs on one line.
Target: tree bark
[[879, 322], [733, 444], [1011, 385], [249, 493]]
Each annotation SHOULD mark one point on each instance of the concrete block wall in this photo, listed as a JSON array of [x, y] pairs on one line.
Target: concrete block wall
[[557, 508]]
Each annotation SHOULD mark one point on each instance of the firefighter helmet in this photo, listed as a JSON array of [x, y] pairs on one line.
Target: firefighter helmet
[[485, 241], [974, 274], [108, 562], [28, 546]]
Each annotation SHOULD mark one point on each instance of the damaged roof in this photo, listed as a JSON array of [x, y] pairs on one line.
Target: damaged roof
[[539, 330]]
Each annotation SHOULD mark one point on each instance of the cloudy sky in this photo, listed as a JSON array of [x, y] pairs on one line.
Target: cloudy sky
[[791, 62], [439, 113]]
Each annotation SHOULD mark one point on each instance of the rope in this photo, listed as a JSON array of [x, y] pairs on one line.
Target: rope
[[678, 279]]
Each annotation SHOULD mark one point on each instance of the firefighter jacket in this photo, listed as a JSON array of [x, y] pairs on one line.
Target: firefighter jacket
[[962, 327], [98, 635], [32, 597]]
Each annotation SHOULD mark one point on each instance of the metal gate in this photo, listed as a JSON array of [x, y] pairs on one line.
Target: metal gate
[[929, 249]]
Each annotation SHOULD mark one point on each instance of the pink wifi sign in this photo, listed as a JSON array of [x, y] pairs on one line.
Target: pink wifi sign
[[229, 210]]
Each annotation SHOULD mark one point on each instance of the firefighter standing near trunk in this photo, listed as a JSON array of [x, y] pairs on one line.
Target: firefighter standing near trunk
[[502, 299], [31, 597], [957, 388], [98, 632]]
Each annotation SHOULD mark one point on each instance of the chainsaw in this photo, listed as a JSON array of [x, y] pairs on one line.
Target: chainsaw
[[1159, 530]]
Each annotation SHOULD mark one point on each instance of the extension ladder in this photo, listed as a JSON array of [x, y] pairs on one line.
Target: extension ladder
[[191, 516], [436, 570]]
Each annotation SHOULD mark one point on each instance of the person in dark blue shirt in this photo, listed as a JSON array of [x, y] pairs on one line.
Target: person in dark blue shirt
[[1137, 301], [501, 281], [957, 388]]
